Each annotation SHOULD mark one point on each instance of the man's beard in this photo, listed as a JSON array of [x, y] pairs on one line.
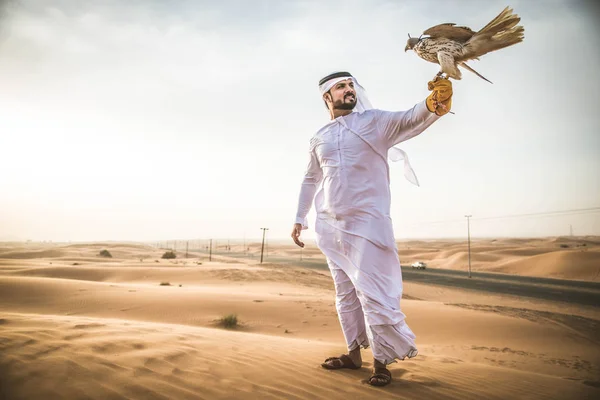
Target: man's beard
[[344, 105]]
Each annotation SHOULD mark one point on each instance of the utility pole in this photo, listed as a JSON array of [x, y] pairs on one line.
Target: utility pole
[[263, 244], [469, 236], [571, 229], [210, 251], [186, 248]]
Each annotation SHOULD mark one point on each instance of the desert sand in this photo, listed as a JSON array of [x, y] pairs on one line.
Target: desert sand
[[74, 325]]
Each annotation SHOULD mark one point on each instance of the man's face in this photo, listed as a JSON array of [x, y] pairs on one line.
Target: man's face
[[342, 95]]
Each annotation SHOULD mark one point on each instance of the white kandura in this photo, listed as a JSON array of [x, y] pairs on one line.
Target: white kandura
[[348, 178]]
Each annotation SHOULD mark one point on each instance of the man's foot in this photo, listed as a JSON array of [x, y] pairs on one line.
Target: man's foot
[[343, 361], [381, 375]]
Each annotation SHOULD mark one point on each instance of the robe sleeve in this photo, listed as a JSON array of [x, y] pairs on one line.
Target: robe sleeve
[[398, 126], [312, 177]]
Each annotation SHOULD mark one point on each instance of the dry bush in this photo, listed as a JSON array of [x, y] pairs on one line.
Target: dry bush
[[229, 321], [105, 253]]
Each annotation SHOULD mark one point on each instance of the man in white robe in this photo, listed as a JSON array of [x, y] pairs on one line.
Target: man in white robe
[[349, 173]]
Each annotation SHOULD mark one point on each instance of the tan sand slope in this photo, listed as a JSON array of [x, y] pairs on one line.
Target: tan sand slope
[[580, 265], [79, 357], [108, 329]]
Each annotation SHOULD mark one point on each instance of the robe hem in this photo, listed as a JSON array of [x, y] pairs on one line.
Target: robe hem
[[412, 353], [364, 345]]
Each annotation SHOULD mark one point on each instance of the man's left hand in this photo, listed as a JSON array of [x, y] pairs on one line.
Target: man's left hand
[[296, 231], [440, 99]]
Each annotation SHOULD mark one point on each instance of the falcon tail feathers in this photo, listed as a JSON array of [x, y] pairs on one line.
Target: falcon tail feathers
[[501, 32], [465, 66], [503, 21]]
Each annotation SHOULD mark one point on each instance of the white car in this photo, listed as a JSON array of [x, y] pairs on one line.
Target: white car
[[419, 265]]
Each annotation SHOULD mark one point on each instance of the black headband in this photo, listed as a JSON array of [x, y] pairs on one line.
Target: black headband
[[335, 75]]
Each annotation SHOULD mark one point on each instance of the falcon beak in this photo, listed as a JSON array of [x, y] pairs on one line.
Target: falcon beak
[[406, 48]]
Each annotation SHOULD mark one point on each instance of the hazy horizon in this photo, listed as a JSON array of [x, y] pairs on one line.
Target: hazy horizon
[[236, 241], [151, 121]]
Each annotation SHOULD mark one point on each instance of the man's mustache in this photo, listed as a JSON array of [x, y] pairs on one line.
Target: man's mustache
[[350, 95]]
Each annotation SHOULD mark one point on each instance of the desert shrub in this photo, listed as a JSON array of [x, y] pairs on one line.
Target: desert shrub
[[105, 253], [169, 254], [564, 246], [165, 284], [229, 321]]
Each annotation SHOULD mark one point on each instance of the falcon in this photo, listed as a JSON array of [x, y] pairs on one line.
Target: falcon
[[451, 46]]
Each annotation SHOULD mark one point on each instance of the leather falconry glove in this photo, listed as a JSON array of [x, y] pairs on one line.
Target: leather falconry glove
[[440, 99]]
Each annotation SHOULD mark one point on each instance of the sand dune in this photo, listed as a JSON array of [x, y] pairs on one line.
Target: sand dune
[[563, 264], [486, 255], [109, 329], [456, 256], [31, 254], [566, 258], [520, 251]]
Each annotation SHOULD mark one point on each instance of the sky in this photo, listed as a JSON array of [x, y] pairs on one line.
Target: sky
[[154, 120]]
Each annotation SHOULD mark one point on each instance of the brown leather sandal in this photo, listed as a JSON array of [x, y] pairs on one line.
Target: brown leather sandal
[[381, 377], [343, 361]]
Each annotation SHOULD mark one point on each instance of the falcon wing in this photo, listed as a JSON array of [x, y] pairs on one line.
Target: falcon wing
[[450, 31]]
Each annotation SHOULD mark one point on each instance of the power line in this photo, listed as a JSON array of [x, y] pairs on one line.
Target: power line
[[547, 213], [574, 211]]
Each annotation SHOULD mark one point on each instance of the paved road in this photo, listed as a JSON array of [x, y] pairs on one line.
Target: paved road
[[575, 292], [569, 291]]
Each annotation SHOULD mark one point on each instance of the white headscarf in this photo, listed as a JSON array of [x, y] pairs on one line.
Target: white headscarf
[[362, 104], [362, 101]]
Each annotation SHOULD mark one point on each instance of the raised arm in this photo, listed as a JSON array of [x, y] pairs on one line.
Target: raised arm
[[399, 126]]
